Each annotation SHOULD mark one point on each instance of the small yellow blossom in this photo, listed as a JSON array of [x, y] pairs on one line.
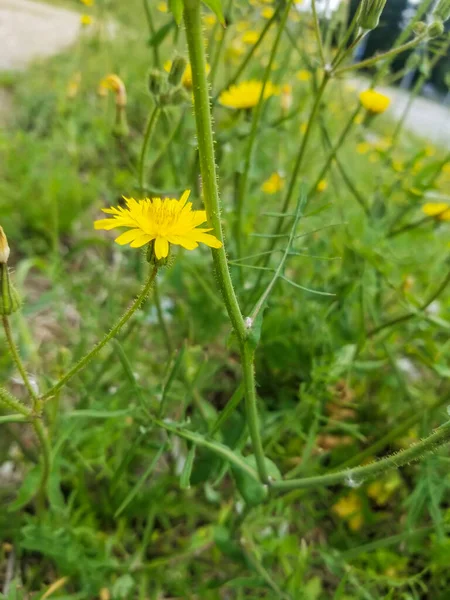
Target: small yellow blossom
[[86, 20], [250, 37], [441, 210], [322, 185], [162, 7], [274, 184], [246, 94], [114, 83], [350, 508], [210, 20], [87, 2], [363, 147], [186, 80], [381, 490], [4, 248], [303, 75], [374, 102], [268, 12], [74, 85], [161, 221]]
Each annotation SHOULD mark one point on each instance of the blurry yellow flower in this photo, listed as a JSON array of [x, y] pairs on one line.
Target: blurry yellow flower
[[246, 94], [382, 489], [349, 508], [374, 102], [4, 248], [74, 85], [303, 128], [242, 26], [268, 12], [441, 210], [303, 75], [363, 147], [162, 7], [210, 20], [86, 20], [87, 2], [105, 594], [286, 97], [446, 169], [187, 75], [322, 185], [164, 222], [115, 84], [250, 37], [274, 184]]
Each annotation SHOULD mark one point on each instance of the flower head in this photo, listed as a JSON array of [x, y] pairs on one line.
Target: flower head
[[303, 75], [246, 94], [162, 221], [86, 20], [87, 2], [186, 79], [4, 248], [374, 102], [440, 210], [274, 184], [250, 37], [322, 185]]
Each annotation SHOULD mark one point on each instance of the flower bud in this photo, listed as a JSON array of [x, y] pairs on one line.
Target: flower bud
[[156, 82], [369, 13], [435, 29], [442, 11], [177, 70], [152, 258], [9, 298], [121, 128], [420, 28]]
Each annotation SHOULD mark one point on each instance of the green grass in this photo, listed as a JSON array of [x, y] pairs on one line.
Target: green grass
[[120, 512]]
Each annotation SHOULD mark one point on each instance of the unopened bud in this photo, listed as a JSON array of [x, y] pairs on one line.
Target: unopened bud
[[121, 128], [4, 248], [177, 70], [435, 29], [152, 258], [9, 298], [442, 10], [114, 83], [175, 97], [420, 28], [156, 82], [369, 13]]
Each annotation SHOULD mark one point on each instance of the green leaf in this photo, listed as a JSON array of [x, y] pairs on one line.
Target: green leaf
[[160, 35], [226, 544], [253, 491], [176, 8], [185, 479], [216, 7], [27, 490]]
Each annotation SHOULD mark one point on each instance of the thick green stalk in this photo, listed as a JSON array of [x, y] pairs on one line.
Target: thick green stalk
[[356, 476], [114, 331], [147, 136], [202, 109]]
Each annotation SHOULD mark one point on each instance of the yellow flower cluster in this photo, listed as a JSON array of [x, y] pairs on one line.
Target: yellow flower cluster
[[440, 210], [374, 102], [246, 94]]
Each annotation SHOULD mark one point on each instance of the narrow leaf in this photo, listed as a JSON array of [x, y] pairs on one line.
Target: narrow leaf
[[176, 8], [185, 479], [216, 7], [301, 287]]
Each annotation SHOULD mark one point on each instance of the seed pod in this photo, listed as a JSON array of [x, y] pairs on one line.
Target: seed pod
[[177, 70], [369, 13]]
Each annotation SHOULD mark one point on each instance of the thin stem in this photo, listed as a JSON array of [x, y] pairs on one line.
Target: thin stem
[[360, 474], [147, 136], [386, 55], [45, 456], [13, 403], [161, 320], [18, 361], [152, 31], [114, 331], [407, 316], [318, 33]]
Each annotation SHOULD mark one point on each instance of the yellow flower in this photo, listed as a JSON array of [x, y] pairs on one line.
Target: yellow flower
[[87, 2], [381, 490], [210, 20], [115, 84], [349, 508], [274, 184], [4, 248], [303, 75], [186, 80], [374, 102], [166, 221], [250, 37], [363, 147], [246, 94], [322, 185], [267, 13], [441, 210], [162, 7], [86, 20]]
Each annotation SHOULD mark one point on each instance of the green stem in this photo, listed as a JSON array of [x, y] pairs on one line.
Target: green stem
[[45, 456], [192, 18], [256, 117], [13, 403], [161, 320], [358, 475], [387, 55], [318, 33], [151, 28], [114, 331], [147, 136], [18, 361]]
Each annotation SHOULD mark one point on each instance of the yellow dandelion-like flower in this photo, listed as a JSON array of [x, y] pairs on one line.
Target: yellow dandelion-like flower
[[210, 20], [322, 185], [114, 83], [363, 147], [375, 102], [162, 7], [86, 20], [441, 210], [246, 94], [87, 2], [303, 75], [250, 37], [274, 184], [350, 508], [268, 12], [162, 221]]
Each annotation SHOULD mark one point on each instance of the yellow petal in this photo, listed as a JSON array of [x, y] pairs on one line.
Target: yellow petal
[[106, 224], [128, 236], [141, 240], [209, 240], [161, 247], [184, 197]]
